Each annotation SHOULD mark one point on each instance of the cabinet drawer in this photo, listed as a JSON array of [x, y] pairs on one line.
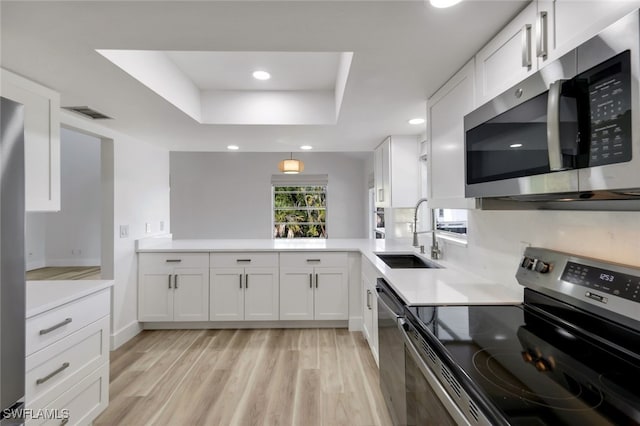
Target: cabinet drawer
[[51, 326], [231, 260], [182, 260], [82, 403], [324, 259], [56, 368]]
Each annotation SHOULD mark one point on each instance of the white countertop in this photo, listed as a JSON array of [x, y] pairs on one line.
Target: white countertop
[[45, 295], [450, 285]]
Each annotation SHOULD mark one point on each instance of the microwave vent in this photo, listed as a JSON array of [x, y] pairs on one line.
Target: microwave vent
[[88, 112]]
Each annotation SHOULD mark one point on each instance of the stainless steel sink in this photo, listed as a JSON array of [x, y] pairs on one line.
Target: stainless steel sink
[[406, 261]]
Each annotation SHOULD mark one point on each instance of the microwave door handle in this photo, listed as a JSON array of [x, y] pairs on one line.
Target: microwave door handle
[[553, 126]]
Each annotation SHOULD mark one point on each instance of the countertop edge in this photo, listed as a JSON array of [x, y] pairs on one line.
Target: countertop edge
[[92, 286]]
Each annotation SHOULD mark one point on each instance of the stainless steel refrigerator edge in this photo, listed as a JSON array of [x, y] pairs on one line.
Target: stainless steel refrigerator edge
[[12, 258]]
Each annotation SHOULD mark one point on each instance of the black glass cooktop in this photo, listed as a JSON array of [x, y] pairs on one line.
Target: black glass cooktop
[[534, 369]]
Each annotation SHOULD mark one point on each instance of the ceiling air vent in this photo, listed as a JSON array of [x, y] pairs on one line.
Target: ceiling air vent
[[88, 112]]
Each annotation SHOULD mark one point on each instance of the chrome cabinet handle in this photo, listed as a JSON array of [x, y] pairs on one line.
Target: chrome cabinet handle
[[240, 276], [246, 281], [55, 327], [313, 260], [243, 260], [542, 37], [310, 280], [553, 126], [175, 281], [368, 301], [316, 280], [52, 374], [169, 280], [174, 260], [526, 46]]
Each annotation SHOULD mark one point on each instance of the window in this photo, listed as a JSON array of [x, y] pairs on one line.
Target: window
[[299, 210], [452, 221]]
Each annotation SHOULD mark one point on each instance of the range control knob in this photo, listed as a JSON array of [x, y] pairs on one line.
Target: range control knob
[[527, 263], [542, 267]]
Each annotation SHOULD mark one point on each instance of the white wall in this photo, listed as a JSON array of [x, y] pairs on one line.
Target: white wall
[[140, 195], [228, 195], [73, 233], [497, 238], [35, 240]]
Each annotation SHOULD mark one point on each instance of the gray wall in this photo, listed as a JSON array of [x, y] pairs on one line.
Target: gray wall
[[228, 195]]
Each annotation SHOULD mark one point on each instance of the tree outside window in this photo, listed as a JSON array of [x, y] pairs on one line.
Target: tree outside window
[[299, 211]]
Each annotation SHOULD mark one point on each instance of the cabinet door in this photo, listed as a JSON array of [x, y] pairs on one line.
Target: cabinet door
[[385, 154], [296, 293], [331, 299], [42, 140], [446, 110], [508, 58], [191, 294], [226, 294], [261, 294], [377, 176], [155, 296]]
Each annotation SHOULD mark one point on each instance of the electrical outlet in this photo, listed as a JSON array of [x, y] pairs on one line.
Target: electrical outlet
[[147, 227], [124, 231], [162, 225]]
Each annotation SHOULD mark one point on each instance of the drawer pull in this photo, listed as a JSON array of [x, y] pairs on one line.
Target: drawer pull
[[53, 373], [174, 260], [313, 260], [55, 327], [243, 260]]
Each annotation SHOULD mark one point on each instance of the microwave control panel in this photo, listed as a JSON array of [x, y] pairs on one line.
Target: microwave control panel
[[609, 86]]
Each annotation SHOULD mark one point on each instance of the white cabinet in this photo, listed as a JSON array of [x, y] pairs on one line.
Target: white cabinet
[[515, 52], [370, 306], [445, 131], [314, 286], [67, 359], [577, 21], [244, 286], [42, 140], [173, 287], [396, 172]]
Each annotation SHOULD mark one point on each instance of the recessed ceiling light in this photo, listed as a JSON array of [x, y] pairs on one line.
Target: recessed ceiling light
[[444, 3], [306, 147], [416, 121], [261, 75], [233, 147], [515, 145]]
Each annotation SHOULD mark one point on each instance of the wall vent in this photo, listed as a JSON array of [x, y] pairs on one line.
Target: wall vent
[[88, 112]]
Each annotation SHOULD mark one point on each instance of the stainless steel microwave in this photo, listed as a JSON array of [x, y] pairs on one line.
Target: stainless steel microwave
[[569, 131]]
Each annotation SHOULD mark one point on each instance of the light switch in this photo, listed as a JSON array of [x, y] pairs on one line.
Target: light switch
[[124, 231], [147, 227]]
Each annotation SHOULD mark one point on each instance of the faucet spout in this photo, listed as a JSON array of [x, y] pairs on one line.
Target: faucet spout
[[415, 222]]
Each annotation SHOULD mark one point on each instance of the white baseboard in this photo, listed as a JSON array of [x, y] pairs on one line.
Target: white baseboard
[[355, 323], [36, 264], [73, 262], [199, 325], [125, 334]]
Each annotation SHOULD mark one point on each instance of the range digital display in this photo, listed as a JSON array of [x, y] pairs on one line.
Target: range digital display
[[603, 280]]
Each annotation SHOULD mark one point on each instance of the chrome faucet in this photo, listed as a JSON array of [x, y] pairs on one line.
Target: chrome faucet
[[435, 250], [415, 222]]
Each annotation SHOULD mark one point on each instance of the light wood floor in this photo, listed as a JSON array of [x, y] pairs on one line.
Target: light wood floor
[[64, 273], [300, 377]]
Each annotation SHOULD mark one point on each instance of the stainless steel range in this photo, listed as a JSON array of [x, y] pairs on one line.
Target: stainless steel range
[[569, 355]]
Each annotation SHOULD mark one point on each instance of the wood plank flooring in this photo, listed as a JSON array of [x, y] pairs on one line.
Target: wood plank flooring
[[296, 377], [64, 273]]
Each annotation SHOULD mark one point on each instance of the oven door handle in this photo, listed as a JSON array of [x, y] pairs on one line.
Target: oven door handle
[[435, 384], [553, 127]]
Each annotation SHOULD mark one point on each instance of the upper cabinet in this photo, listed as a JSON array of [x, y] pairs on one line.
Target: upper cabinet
[[518, 51], [445, 133], [396, 172], [42, 140], [574, 23]]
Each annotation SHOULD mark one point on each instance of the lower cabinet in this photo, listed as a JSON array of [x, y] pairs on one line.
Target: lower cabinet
[[244, 287], [173, 287], [370, 306], [314, 286]]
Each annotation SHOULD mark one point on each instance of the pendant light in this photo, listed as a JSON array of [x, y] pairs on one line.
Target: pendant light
[[291, 166]]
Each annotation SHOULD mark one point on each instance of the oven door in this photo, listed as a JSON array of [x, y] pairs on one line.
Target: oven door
[[427, 400]]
